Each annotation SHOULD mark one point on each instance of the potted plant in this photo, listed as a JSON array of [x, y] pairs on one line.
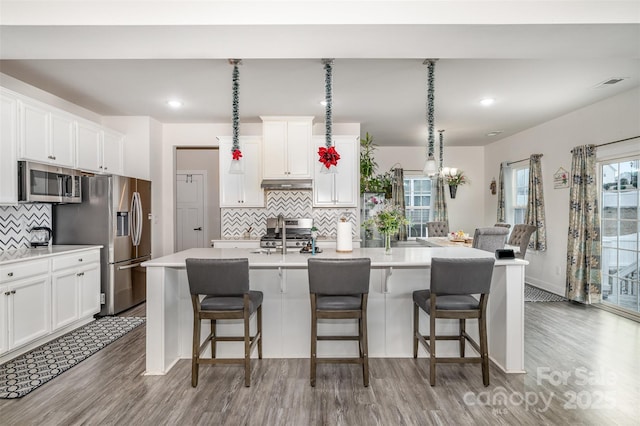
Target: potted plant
[[367, 165]]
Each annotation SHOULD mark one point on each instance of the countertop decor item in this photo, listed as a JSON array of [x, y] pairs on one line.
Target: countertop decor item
[[388, 222], [328, 155], [236, 166]]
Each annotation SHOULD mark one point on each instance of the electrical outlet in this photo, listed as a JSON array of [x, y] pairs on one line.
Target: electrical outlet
[[102, 299]]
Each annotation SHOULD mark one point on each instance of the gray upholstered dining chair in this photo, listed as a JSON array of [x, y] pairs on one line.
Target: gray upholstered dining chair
[[437, 229], [338, 289], [225, 286], [490, 239], [453, 282], [520, 237]]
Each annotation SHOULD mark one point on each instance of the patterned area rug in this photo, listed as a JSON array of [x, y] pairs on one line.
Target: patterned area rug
[[23, 374], [535, 294]]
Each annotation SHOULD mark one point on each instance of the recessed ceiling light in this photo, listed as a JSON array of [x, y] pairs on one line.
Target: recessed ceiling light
[[487, 101], [174, 103], [494, 133]]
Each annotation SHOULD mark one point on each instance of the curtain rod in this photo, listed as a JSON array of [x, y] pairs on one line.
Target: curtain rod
[[618, 141], [517, 161]]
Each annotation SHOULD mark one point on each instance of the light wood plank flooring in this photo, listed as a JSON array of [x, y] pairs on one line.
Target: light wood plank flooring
[[582, 368]]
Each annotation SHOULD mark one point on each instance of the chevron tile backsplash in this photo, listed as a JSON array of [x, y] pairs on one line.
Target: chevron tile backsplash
[[16, 221], [290, 204]]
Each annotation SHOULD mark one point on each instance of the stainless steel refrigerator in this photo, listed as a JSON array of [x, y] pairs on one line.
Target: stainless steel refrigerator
[[115, 212]]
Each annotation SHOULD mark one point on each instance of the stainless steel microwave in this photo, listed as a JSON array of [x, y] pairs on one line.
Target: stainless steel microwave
[[41, 183]]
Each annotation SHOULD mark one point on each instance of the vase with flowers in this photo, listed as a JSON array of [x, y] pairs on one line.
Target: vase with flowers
[[453, 178], [388, 222]]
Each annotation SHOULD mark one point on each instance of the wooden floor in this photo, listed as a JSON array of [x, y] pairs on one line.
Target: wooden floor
[[583, 367]]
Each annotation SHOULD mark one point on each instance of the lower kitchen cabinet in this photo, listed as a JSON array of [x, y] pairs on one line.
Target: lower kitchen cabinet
[[25, 311], [75, 287], [45, 298]]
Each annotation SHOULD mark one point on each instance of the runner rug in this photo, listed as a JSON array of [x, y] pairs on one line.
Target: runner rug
[[25, 373], [535, 294]]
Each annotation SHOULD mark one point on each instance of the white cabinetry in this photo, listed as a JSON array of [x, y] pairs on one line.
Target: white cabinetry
[[8, 148], [338, 189], [286, 147], [75, 287], [45, 298], [98, 150], [112, 147], [241, 189], [46, 134], [25, 304]]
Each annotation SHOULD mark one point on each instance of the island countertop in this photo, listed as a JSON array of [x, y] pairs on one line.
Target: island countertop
[[283, 281], [258, 259]]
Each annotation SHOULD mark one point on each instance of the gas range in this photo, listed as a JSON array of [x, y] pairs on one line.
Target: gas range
[[298, 233]]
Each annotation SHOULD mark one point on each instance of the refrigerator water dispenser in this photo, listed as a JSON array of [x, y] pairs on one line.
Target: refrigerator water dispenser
[[122, 224]]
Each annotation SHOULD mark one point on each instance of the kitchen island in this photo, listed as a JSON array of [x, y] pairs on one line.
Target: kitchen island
[[286, 306]]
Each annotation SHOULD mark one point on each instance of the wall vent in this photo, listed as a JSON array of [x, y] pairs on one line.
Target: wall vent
[[611, 81]]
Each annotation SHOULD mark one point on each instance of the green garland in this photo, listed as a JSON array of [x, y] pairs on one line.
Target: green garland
[[430, 99], [328, 83], [235, 118]]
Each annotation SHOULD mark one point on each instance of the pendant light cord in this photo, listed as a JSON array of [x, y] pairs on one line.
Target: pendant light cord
[[328, 83]]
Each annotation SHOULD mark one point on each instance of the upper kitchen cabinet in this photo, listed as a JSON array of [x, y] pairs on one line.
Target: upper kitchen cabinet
[[241, 189], [338, 189], [46, 134], [8, 148], [98, 150], [286, 147]]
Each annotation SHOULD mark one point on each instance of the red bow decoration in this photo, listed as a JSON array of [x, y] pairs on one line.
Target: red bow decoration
[[237, 154], [328, 156]]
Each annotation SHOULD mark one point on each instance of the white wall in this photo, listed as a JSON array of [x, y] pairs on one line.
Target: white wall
[[612, 119], [465, 211]]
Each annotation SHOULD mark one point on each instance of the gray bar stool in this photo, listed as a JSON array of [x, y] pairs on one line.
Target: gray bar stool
[[453, 282], [225, 285], [338, 289]]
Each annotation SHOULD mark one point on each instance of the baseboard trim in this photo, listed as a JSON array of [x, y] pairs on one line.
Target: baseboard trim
[[545, 286], [618, 311]]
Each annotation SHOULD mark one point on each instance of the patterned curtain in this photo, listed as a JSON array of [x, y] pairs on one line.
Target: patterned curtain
[[439, 200], [583, 245], [502, 209], [397, 197], [534, 214]]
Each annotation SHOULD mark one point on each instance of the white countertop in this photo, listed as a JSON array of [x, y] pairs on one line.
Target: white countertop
[[26, 253], [400, 257]]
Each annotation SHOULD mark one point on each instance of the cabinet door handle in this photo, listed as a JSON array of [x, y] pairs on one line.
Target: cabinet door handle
[[199, 228], [80, 259], [10, 274], [6, 293], [105, 167], [53, 157], [13, 292]]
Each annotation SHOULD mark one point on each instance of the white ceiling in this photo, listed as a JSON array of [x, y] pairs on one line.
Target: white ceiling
[[535, 72]]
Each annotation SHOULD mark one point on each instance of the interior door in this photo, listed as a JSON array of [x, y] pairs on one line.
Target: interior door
[[190, 225]]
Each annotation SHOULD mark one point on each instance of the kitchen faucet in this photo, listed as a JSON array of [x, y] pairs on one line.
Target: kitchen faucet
[[281, 227]]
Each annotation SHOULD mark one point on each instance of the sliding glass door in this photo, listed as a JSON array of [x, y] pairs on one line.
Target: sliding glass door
[[620, 229]]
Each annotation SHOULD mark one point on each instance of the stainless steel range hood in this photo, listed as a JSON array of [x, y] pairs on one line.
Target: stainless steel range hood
[[286, 184]]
